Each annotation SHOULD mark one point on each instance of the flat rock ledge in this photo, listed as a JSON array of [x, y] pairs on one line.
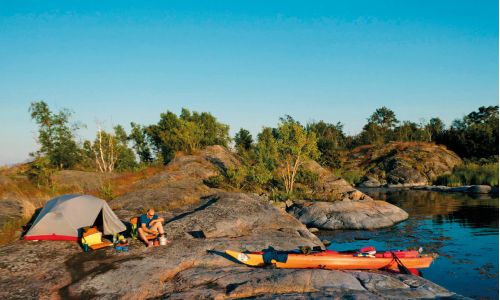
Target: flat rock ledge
[[347, 214], [468, 189]]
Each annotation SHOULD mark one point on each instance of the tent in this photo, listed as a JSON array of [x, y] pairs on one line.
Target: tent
[[62, 218]]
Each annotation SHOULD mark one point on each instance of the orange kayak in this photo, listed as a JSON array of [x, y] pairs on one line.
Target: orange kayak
[[336, 260]]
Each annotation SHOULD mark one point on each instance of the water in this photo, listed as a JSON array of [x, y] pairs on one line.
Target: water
[[462, 229]]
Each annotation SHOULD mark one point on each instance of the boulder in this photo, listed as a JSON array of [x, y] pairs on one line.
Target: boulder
[[401, 164], [369, 182], [359, 214], [180, 183], [480, 189], [330, 187]]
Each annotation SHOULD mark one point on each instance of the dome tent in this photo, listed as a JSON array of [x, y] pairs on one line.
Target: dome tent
[[63, 217]]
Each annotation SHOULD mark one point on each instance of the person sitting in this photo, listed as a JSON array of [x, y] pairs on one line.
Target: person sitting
[[150, 223]]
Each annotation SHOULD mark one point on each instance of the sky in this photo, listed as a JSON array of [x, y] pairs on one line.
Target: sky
[[247, 62]]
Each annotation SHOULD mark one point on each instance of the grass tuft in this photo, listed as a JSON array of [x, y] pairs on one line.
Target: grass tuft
[[470, 174]]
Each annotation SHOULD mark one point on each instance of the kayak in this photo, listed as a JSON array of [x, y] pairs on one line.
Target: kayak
[[349, 260]]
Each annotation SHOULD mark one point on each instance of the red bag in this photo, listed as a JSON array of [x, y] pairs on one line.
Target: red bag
[[367, 249]]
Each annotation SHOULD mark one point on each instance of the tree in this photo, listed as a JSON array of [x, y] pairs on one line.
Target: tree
[[435, 127], [371, 134], [110, 151], [295, 146], [379, 128], [56, 136], [384, 117], [104, 151], [408, 132], [141, 146], [331, 140], [266, 156], [475, 135], [243, 140], [186, 132], [125, 155]]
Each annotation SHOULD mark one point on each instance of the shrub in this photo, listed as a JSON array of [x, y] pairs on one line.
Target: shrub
[[40, 172], [470, 173], [307, 177], [215, 182], [106, 191], [353, 176]]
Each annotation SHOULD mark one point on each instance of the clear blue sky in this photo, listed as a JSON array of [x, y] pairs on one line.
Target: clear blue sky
[[247, 62]]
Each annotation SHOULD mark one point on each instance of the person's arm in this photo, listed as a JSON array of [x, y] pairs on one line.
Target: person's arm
[[155, 221], [145, 229]]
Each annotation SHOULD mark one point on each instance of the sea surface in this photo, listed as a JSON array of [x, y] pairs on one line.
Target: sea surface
[[462, 229]]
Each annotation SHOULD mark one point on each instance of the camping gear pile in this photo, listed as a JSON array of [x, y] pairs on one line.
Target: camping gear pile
[[92, 238], [121, 244]]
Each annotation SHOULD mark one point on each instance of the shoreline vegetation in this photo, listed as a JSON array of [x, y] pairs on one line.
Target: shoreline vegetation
[[470, 174], [273, 162]]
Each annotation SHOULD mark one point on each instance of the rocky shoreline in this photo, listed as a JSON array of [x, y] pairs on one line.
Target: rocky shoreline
[[201, 223], [194, 266]]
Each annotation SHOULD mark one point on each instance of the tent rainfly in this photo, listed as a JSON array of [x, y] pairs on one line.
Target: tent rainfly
[[61, 218]]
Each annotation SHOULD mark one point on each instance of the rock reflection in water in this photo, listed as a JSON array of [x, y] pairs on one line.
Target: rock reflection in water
[[470, 210]]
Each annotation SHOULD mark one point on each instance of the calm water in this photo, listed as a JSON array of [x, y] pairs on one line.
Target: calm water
[[462, 229]]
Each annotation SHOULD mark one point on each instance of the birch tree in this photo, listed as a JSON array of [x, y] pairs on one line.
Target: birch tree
[[295, 146], [104, 151], [110, 151]]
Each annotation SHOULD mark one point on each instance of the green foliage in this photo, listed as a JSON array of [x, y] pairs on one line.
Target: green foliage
[[233, 178], [274, 163], [260, 175], [435, 128], [110, 151], [307, 177], [295, 145], [138, 136], [331, 140], [243, 141], [217, 181], [55, 136], [470, 174], [383, 118], [40, 172], [475, 135], [125, 155], [353, 176], [378, 129], [266, 150], [237, 177], [188, 132], [106, 191]]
